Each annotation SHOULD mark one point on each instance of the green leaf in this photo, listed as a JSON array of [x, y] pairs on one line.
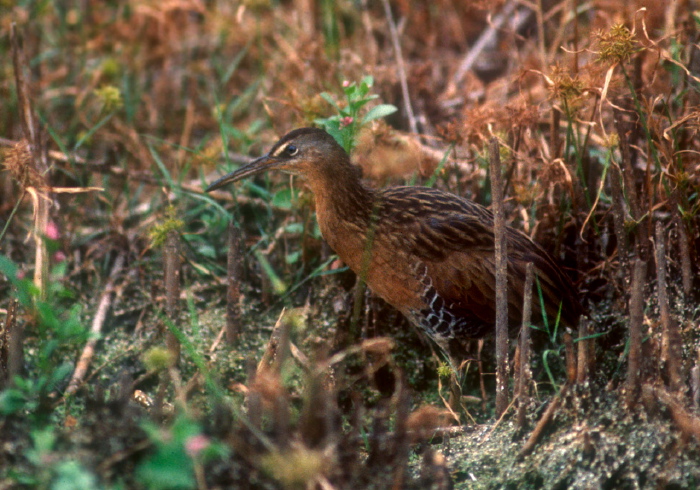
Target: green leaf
[[44, 440], [328, 98], [25, 287], [333, 131], [294, 228], [378, 112], [441, 165], [167, 470], [8, 268], [329, 124], [168, 466], [58, 375], [163, 169], [293, 257], [285, 198], [547, 368], [277, 284], [12, 401], [71, 475], [206, 250], [257, 190], [356, 105]]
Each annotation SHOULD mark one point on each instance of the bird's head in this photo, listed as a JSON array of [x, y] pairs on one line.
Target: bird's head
[[304, 151]]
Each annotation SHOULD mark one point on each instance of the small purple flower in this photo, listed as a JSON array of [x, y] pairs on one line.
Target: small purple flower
[[196, 444], [52, 231]]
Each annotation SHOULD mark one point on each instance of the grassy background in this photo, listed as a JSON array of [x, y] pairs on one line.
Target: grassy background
[[595, 106]]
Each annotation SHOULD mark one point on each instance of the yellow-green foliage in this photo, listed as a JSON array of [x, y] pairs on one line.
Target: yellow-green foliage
[[444, 370], [568, 89], [616, 45], [158, 359], [110, 69], [160, 231], [295, 467], [111, 98]]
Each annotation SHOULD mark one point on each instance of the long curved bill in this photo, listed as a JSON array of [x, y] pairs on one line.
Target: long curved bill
[[255, 167]]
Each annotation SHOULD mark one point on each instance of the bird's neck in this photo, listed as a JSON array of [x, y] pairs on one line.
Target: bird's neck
[[343, 203]]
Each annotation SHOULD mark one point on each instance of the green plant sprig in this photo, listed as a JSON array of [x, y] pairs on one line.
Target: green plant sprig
[[346, 124]]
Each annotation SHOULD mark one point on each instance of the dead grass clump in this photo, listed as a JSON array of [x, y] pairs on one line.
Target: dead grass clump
[[596, 113]]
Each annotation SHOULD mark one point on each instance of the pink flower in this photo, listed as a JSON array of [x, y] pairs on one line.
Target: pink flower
[[346, 83], [196, 444], [346, 121], [59, 256], [52, 231]]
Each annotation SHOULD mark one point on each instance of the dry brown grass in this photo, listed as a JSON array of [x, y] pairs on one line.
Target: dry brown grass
[[597, 119]]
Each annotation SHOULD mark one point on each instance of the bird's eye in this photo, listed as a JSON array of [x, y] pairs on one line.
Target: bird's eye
[[291, 150]]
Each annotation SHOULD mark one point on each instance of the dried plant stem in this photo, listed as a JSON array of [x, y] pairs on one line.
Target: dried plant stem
[[200, 475], [159, 403], [281, 420], [480, 366], [253, 399], [30, 128], [686, 263], [546, 417], [539, 16], [670, 17], [38, 161], [27, 120], [585, 349], [688, 423], [266, 286], [180, 391], [555, 137], [630, 189], [435, 472], [636, 311], [171, 259], [402, 446], [233, 291], [83, 363], [186, 131], [619, 213], [525, 374], [574, 11], [401, 68], [317, 424], [627, 168], [570, 358], [671, 348], [278, 346], [501, 262], [379, 456], [695, 381]]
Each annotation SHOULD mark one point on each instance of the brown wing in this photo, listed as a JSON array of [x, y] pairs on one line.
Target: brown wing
[[453, 238]]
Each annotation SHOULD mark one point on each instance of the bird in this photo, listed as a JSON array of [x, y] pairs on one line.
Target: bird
[[427, 252]]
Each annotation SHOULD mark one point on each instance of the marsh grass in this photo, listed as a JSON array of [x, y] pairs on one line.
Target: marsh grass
[[599, 150]]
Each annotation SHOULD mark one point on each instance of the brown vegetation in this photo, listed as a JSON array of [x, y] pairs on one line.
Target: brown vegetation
[[117, 115]]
